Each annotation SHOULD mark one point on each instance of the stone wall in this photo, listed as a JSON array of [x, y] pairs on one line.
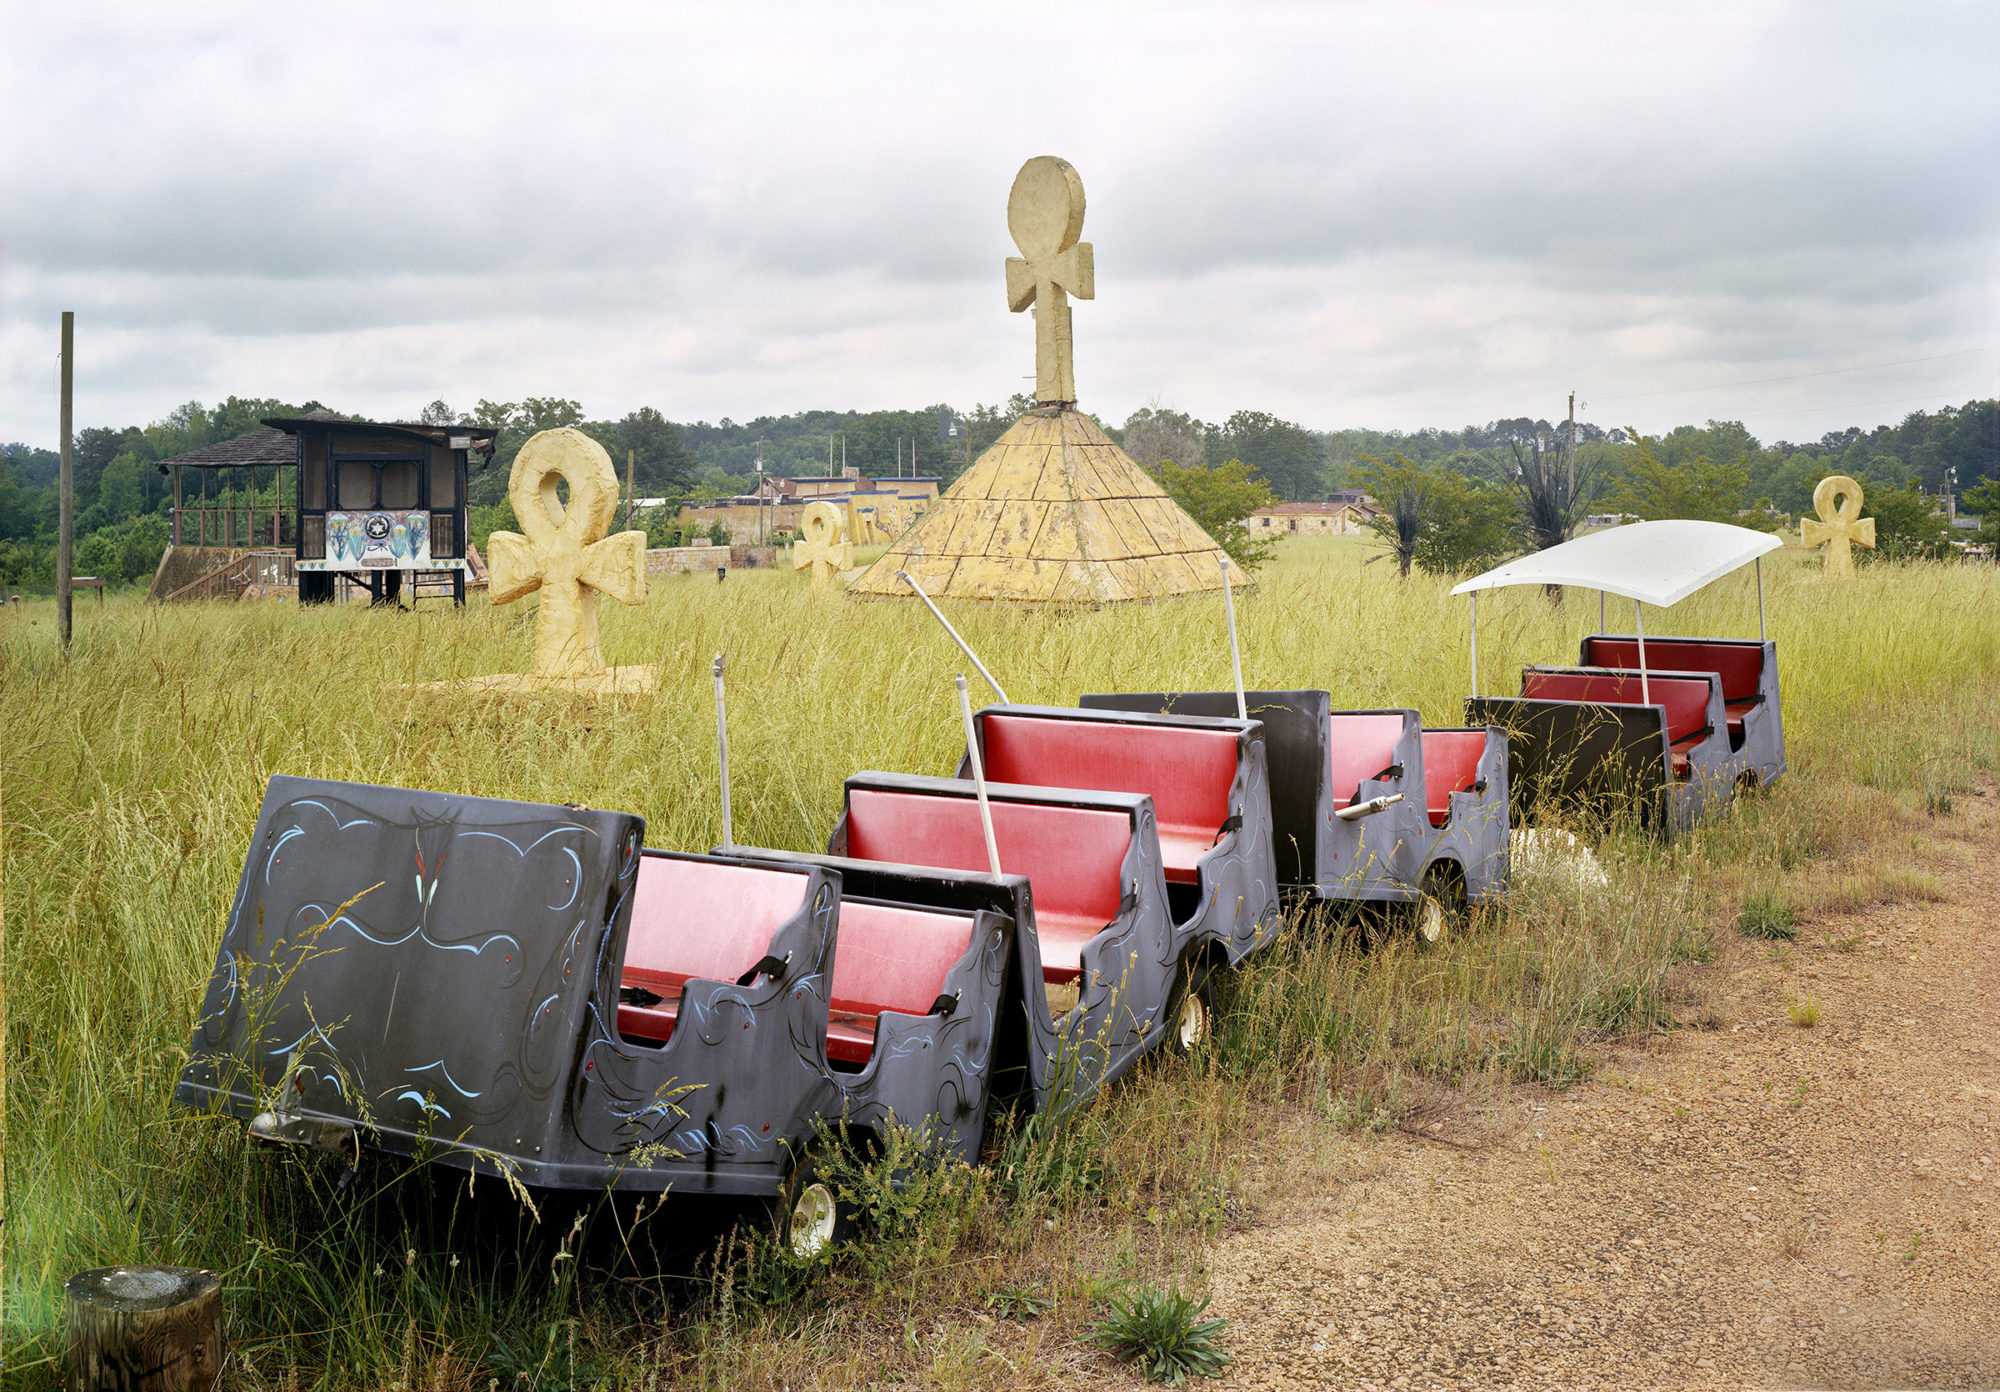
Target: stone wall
[[685, 560]]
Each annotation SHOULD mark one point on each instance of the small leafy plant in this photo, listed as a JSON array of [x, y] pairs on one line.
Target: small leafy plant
[[1162, 1331], [1766, 915], [1019, 1303]]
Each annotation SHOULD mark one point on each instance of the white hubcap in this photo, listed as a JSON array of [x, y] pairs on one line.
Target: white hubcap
[[1430, 919], [1192, 1027], [812, 1221]]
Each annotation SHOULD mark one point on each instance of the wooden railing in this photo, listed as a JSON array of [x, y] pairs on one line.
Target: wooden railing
[[233, 526]]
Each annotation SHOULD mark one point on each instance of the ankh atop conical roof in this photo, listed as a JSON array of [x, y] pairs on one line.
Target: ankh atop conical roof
[[1045, 216]]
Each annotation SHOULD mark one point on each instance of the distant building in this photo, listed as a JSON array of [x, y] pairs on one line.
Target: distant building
[[1311, 519], [779, 504]]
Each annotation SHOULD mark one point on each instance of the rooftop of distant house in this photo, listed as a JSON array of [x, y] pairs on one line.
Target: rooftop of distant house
[[1327, 509]]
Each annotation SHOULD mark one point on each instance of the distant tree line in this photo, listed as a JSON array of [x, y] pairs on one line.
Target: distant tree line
[[1482, 486], [1460, 504]]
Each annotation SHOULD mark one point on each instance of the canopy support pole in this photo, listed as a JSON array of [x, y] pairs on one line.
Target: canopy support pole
[[722, 754], [978, 776], [1235, 653], [1639, 622], [1475, 644], [1600, 611], [1760, 600], [963, 646]]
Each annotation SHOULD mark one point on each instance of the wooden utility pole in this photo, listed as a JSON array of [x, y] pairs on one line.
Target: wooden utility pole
[[144, 1329], [630, 496], [66, 487], [763, 517], [1569, 462]]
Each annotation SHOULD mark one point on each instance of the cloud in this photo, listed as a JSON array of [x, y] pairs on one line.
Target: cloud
[[1400, 216]]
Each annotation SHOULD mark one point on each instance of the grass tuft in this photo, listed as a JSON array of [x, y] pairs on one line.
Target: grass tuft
[[1767, 916], [1804, 1011], [1019, 1303], [1162, 1331]]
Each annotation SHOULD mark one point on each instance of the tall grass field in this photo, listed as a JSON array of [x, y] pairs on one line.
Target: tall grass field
[[134, 770]]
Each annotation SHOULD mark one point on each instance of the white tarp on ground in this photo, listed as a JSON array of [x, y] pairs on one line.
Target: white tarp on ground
[[1657, 563]]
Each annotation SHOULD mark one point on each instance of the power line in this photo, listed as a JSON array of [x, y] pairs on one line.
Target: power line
[[1799, 376]]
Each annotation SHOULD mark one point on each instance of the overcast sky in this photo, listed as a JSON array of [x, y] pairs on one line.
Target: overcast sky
[[1382, 215]]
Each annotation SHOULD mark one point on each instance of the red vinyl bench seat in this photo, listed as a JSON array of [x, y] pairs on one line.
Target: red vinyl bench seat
[[1358, 747], [1188, 772], [887, 957], [1451, 765], [698, 919], [1685, 700], [1740, 665], [1074, 857]]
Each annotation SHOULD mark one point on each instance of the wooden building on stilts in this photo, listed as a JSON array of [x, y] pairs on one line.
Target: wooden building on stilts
[[312, 505]]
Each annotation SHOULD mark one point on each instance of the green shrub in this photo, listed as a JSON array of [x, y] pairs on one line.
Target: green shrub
[[912, 1200]]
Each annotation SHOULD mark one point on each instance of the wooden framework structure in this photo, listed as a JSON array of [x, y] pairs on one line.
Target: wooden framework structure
[[221, 514], [329, 479]]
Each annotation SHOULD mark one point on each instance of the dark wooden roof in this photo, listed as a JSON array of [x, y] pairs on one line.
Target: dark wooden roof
[[274, 443], [260, 448], [484, 437]]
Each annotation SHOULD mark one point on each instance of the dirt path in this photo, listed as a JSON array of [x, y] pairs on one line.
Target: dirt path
[[1757, 1205]]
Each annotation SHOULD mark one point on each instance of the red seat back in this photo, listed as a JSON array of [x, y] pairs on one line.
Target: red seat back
[[696, 918], [1740, 665], [1358, 747], [1451, 765], [1074, 857], [1188, 772], [892, 957], [1685, 698]]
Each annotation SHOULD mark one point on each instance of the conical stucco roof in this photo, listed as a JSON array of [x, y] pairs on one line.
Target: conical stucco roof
[[1055, 513]]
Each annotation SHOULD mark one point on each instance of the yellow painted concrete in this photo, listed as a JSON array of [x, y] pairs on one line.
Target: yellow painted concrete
[[1045, 216], [566, 555], [1053, 513], [1837, 500], [823, 543]]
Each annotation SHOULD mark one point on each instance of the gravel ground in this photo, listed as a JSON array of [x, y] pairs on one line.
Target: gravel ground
[[1754, 1205]]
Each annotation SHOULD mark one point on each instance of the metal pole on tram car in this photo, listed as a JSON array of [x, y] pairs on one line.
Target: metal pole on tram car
[[1639, 622], [1760, 600], [978, 776], [1475, 597], [1235, 653], [1475, 642], [1600, 611], [963, 646], [722, 753]]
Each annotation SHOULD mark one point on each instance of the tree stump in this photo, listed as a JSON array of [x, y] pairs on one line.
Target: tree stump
[[144, 1329]]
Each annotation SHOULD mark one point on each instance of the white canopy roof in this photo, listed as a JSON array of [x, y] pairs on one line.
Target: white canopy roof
[[1657, 563]]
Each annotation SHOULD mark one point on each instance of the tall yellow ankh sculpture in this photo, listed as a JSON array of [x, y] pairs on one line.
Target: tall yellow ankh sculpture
[[565, 553], [1045, 216], [1837, 500]]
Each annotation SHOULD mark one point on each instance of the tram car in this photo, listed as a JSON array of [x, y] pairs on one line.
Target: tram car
[[1663, 729]]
